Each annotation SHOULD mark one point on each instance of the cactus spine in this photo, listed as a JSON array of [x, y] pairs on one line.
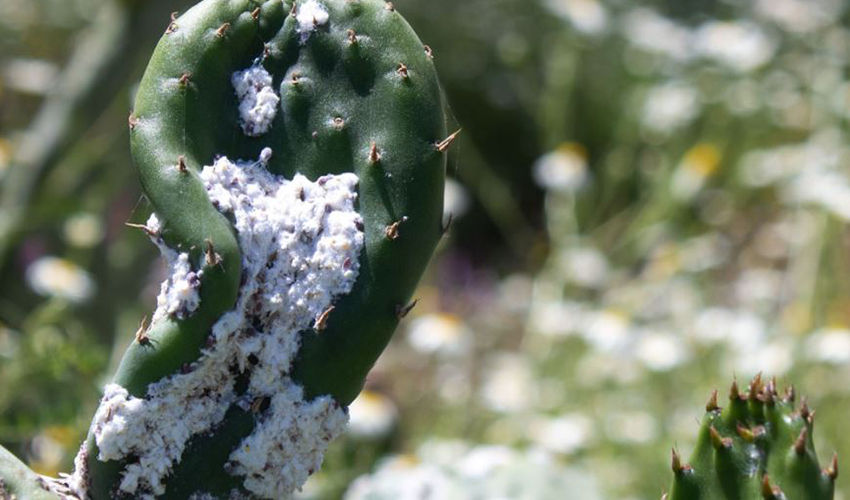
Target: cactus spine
[[759, 447]]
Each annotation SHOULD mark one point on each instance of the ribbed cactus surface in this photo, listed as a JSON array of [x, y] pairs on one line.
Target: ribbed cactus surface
[[758, 447]]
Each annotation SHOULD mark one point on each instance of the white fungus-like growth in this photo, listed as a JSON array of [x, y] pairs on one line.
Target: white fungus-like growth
[[311, 14], [178, 294], [292, 444], [257, 100], [300, 243]]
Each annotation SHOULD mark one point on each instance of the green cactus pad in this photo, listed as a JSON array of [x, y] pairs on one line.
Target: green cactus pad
[[759, 447], [357, 93], [17, 481]]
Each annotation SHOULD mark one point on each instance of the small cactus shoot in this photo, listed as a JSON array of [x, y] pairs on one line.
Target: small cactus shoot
[[758, 447]]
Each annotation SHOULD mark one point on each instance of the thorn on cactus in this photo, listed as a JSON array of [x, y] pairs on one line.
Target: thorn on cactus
[[322, 321], [222, 30], [770, 392], [832, 471], [392, 230], [255, 13], [401, 311], [352, 37], [790, 394], [676, 463], [258, 403], [805, 412], [150, 232], [719, 442], [766, 489], [745, 433], [800, 443], [390, 7], [132, 121], [184, 79], [756, 388], [734, 393], [712, 402], [403, 71], [181, 164], [142, 333], [443, 145], [374, 154], [172, 26], [429, 52], [211, 258]]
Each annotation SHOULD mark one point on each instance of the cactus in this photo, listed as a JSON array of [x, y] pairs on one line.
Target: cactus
[[758, 447], [288, 274]]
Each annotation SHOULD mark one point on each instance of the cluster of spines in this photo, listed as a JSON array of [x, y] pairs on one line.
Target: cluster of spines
[[756, 448]]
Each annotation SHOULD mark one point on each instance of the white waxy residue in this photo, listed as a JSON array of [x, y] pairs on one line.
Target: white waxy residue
[[179, 293], [300, 243], [257, 100], [311, 14]]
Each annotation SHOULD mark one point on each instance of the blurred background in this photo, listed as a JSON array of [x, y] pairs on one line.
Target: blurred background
[[649, 198]]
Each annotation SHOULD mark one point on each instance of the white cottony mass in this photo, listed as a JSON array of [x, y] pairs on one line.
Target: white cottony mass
[[300, 243]]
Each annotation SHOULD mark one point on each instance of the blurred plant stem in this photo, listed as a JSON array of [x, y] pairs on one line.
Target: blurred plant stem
[[498, 201], [104, 62]]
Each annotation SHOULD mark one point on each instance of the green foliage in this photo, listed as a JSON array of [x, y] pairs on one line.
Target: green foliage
[[758, 447]]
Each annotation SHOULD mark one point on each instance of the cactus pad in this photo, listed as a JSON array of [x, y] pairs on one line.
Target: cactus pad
[[294, 156], [759, 447]]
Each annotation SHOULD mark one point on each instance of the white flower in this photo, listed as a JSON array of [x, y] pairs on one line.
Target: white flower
[[403, 478], [661, 351], [696, 167], [742, 330], [670, 106], [508, 383], [774, 357], [556, 318], [742, 46], [562, 170], [829, 346], [371, 415], [652, 32], [455, 199], [440, 333], [83, 230], [636, 427], [828, 189], [30, 76], [585, 267], [52, 276], [757, 286], [800, 16], [565, 434], [587, 16], [607, 331], [483, 460], [704, 252]]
